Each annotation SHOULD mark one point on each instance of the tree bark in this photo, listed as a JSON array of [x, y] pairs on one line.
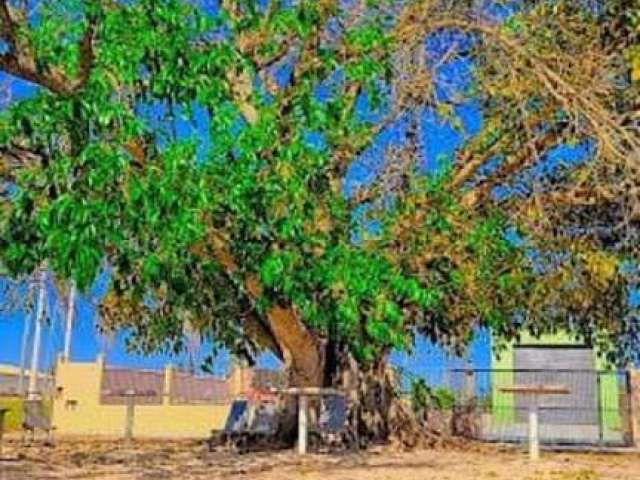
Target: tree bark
[[377, 413]]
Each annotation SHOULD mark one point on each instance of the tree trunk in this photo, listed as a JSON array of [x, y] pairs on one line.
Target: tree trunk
[[302, 352], [377, 413]]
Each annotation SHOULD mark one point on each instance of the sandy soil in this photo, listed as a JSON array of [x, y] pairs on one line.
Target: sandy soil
[[158, 460]]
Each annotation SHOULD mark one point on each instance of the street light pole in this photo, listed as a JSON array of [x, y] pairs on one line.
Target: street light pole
[[71, 307], [32, 393], [23, 351]]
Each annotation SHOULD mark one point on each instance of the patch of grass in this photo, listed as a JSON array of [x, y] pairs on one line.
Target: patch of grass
[[585, 474]]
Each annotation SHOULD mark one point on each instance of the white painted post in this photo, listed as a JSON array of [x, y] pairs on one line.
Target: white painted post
[[32, 393], [23, 353], [302, 424], [534, 438], [128, 427], [71, 308]]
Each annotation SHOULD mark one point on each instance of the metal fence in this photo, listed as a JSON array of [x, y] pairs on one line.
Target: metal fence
[[148, 387], [10, 384], [595, 411], [187, 389]]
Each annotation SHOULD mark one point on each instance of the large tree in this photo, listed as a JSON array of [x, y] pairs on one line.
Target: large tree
[[248, 232]]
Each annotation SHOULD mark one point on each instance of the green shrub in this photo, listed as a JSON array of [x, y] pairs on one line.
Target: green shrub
[[424, 397], [13, 418], [444, 399]]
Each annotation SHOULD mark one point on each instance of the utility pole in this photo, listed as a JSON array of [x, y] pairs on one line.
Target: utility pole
[[32, 393], [26, 330], [71, 307], [23, 351]]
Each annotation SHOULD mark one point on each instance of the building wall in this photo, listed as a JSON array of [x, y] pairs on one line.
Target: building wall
[[77, 409]]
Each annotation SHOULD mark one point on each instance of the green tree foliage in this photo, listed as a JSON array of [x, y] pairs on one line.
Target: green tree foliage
[[249, 241]]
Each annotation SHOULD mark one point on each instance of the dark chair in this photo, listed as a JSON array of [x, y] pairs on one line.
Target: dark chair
[[261, 430], [249, 426], [332, 429], [236, 423], [37, 418], [333, 414]]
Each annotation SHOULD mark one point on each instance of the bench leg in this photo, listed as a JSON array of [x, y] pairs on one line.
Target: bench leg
[[534, 439]]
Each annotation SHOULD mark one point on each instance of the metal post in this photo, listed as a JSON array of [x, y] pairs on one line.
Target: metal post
[[600, 413], [469, 387], [631, 422], [534, 435], [302, 424], [37, 337], [23, 352], [128, 427], [71, 308]]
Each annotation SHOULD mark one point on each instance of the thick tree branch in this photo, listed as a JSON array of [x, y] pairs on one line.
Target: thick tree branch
[[20, 61], [296, 345], [7, 24], [14, 158]]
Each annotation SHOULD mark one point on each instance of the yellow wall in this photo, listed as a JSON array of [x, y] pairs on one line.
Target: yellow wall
[[77, 409]]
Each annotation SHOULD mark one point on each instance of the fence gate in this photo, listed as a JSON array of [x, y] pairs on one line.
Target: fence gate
[[596, 412]]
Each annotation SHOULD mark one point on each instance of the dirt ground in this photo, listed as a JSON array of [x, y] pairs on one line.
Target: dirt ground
[[160, 460]]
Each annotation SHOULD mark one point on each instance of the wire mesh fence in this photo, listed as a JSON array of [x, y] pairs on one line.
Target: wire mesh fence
[[595, 411], [11, 384], [151, 387], [187, 389], [119, 383]]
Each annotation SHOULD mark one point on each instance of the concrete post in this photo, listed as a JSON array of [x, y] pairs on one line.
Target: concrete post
[[128, 426], [168, 381], [100, 362], [534, 439], [240, 381], [302, 424], [634, 410]]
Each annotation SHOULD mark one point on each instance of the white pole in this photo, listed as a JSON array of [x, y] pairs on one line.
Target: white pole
[[130, 414], [302, 424], [37, 337], [71, 307], [534, 442], [23, 351]]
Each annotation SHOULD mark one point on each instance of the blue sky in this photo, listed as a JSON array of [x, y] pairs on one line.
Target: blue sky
[[439, 140]]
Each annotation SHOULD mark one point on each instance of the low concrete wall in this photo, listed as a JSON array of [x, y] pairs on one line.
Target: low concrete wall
[[77, 409]]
